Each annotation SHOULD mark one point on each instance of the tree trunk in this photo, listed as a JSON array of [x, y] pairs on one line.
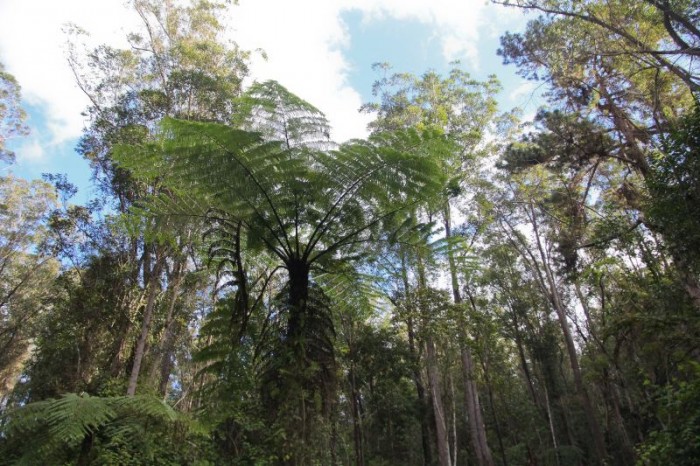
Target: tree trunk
[[298, 297], [422, 402], [499, 436], [552, 431], [356, 421], [598, 441], [455, 443], [443, 445], [168, 343], [145, 327], [477, 429], [420, 389], [117, 360]]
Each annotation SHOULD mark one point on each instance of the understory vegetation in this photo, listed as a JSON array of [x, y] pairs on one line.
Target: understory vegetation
[[459, 288]]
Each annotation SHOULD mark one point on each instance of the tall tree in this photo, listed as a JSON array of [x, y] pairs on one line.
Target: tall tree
[[26, 271], [464, 109], [12, 115], [178, 65]]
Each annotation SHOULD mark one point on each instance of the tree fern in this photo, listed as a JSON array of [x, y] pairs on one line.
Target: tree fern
[[296, 198], [69, 426]]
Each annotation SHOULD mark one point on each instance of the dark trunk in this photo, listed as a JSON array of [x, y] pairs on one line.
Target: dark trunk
[[85, 449], [422, 402], [298, 297], [496, 424], [118, 347], [356, 421]]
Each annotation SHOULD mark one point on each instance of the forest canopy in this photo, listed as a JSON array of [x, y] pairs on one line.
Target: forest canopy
[[460, 287]]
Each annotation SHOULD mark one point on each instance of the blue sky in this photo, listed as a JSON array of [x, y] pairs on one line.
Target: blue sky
[[320, 49]]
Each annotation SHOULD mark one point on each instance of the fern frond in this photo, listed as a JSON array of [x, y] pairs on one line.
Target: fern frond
[[63, 424]]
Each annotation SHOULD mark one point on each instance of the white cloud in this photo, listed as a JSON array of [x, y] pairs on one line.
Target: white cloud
[[32, 46], [304, 39], [304, 42], [455, 23], [31, 153], [525, 89]]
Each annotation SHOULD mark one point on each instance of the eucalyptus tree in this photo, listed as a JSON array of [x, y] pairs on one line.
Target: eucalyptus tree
[[26, 271], [304, 205], [602, 230], [464, 109], [178, 64], [622, 74], [12, 115], [660, 33]]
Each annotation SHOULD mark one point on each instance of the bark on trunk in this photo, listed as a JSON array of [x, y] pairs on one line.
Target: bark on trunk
[[420, 389], [598, 441], [477, 429], [356, 421], [443, 445], [422, 402], [168, 343], [298, 297], [145, 327]]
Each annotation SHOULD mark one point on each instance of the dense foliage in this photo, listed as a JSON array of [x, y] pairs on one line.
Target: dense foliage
[[457, 288]]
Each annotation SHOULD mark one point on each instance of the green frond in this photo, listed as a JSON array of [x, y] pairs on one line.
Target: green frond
[[459, 248], [63, 424], [293, 199], [282, 116], [352, 294], [68, 419]]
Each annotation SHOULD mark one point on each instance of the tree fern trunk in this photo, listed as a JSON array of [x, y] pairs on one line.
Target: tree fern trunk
[[298, 297]]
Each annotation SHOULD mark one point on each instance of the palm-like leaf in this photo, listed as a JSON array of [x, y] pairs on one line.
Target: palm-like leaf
[[63, 424], [295, 196]]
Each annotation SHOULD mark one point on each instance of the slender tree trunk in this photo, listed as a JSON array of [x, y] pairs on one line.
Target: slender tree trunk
[[356, 421], [441, 437], [443, 444], [627, 449], [489, 391], [477, 428], [117, 360], [552, 431], [145, 327], [422, 402], [417, 380], [524, 364], [163, 362], [555, 298], [455, 445]]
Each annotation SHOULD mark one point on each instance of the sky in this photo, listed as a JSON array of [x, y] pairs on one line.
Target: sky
[[322, 50]]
